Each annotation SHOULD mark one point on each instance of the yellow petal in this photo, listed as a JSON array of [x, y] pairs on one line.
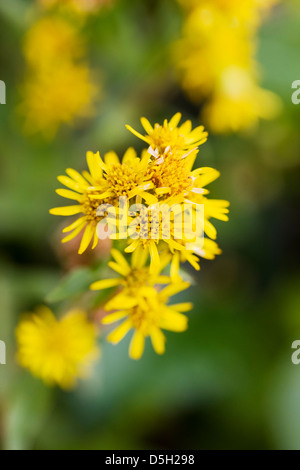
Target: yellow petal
[[139, 257], [146, 125], [119, 257], [75, 224], [155, 260], [69, 183], [86, 239], [129, 156], [173, 321], [173, 289], [75, 232], [77, 177], [120, 269], [121, 301], [175, 267], [175, 120], [96, 240], [113, 317], [137, 134], [69, 194], [183, 307], [137, 345], [158, 340], [111, 158], [105, 284], [94, 164], [132, 246], [66, 210], [120, 332]]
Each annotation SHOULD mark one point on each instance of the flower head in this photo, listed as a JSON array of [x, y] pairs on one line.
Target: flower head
[[50, 98], [170, 134], [134, 278], [50, 41], [105, 182], [59, 352], [147, 315]]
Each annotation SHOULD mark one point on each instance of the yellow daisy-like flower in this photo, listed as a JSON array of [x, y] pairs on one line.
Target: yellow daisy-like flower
[[135, 278], [170, 134], [104, 184], [167, 228], [58, 352], [147, 315]]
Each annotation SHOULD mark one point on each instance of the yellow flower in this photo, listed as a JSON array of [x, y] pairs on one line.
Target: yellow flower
[[135, 278], [178, 138], [147, 315], [216, 62], [58, 352], [167, 228], [51, 99], [51, 41], [106, 181], [239, 102]]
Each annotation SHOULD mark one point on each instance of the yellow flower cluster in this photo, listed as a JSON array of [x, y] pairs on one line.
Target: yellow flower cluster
[[216, 61], [162, 178], [143, 283], [59, 352], [58, 87]]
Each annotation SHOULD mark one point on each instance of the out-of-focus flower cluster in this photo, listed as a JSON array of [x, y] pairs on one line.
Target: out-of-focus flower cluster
[[78, 6], [216, 61], [58, 86]]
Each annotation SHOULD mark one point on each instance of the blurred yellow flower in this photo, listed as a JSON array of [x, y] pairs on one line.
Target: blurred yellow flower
[[58, 86], [135, 277], [147, 315], [80, 6], [51, 41], [56, 97], [239, 103], [216, 61], [57, 351]]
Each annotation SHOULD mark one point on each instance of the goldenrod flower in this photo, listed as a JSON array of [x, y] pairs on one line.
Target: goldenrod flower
[[51, 99], [216, 61], [239, 102], [104, 184], [57, 351], [178, 138], [51, 41], [54, 53], [135, 278], [147, 315]]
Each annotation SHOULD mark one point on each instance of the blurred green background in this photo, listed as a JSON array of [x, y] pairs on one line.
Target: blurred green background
[[226, 383]]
